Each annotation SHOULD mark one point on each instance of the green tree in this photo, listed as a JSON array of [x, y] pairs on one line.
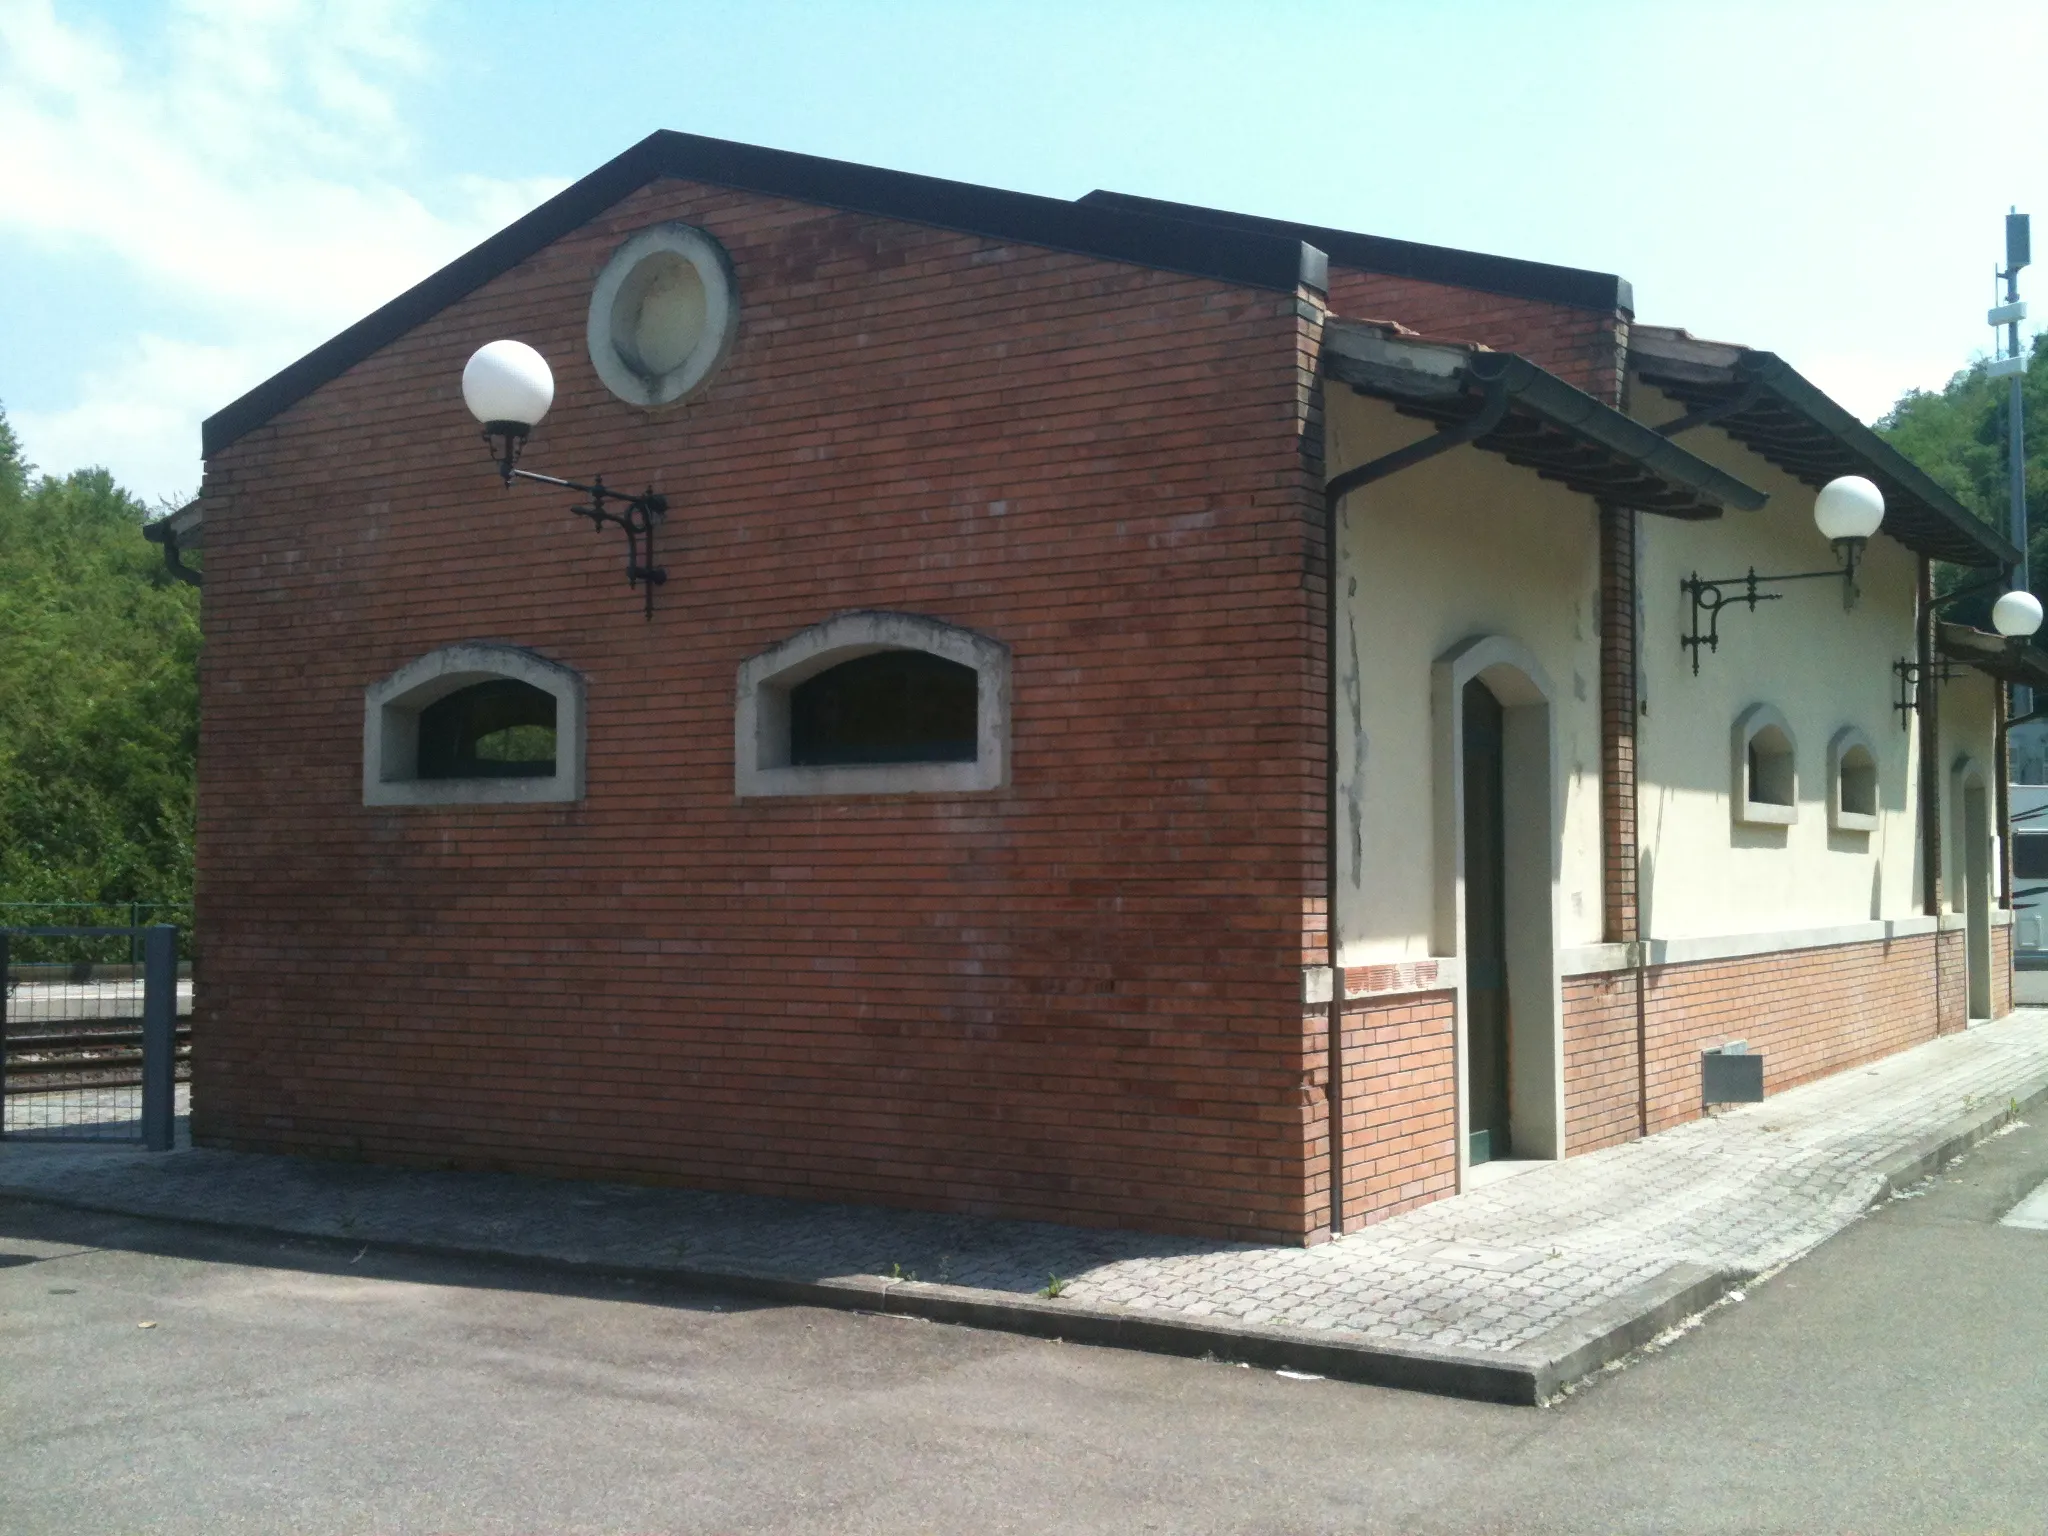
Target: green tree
[[1957, 434], [99, 694]]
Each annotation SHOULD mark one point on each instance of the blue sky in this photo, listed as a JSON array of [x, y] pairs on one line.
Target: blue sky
[[193, 193]]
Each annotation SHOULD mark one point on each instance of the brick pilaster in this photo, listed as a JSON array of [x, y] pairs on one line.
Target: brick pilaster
[[1618, 724]]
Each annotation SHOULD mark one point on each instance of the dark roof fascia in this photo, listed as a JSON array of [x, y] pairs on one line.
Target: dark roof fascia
[[1242, 257], [1448, 384], [2009, 661], [183, 525], [1573, 286], [1931, 521]]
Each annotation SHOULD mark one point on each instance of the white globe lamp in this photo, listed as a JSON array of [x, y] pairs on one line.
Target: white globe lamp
[[2016, 615], [1848, 508], [508, 387]]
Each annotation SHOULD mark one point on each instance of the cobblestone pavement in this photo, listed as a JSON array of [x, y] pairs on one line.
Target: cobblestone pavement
[[1492, 1270]]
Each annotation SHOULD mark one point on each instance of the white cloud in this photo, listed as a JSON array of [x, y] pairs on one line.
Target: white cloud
[[140, 418], [254, 171]]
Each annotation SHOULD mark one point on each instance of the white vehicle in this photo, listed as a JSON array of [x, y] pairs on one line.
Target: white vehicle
[[2030, 892]]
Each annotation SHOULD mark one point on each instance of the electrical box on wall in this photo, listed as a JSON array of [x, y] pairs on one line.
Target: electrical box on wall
[[1729, 1074]]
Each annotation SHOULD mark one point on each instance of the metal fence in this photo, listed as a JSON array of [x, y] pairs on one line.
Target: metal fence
[[95, 1032]]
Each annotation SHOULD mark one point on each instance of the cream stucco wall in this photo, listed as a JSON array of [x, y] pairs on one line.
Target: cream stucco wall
[[1467, 544], [1821, 666], [1460, 546]]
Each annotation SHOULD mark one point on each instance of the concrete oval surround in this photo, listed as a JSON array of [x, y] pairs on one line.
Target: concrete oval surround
[[663, 315]]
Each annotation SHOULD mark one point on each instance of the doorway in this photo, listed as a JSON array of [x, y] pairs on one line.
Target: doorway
[[1976, 863], [1488, 999]]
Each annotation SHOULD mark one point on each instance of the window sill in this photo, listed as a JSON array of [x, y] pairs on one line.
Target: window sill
[[872, 779], [1761, 813], [557, 788]]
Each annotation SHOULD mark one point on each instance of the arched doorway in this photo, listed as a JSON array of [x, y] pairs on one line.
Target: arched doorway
[[1973, 869], [1489, 1046], [1496, 863]]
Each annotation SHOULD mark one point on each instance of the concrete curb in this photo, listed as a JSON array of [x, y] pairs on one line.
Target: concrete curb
[[1931, 1154], [1526, 1376]]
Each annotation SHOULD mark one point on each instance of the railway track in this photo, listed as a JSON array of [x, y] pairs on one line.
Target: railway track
[[43, 1059]]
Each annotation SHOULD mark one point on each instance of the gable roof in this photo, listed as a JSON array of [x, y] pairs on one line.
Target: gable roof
[[1573, 286], [1245, 257], [1544, 424], [1765, 404]]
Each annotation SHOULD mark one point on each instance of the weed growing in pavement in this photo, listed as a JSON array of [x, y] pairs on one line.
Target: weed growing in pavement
[[1053, 1286]]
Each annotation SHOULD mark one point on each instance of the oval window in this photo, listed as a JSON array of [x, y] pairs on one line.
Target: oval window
[[888, 707], [497, 730], [663, 315]]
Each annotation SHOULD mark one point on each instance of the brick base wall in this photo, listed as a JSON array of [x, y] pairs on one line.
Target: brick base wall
[[1810, 1012], [1400, 1103], [1602, 1063], [1954, 996], [2001, 972]]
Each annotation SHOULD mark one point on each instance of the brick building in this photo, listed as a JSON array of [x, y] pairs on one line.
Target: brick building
[[965, 823]]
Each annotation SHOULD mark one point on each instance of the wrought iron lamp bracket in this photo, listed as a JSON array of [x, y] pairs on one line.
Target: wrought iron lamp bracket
[[1908, 673], [636, 516], [1710, 594]]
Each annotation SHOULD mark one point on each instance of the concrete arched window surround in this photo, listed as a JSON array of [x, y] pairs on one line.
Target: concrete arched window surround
[[1763, 788], [391, 719], [1852, 781], [761, 714], [1531, 855], [663, 315]]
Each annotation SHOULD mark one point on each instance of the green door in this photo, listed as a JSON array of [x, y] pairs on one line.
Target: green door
[[1486, 967]]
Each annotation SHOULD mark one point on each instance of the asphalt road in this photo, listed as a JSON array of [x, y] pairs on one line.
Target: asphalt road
[[1891, 1381]]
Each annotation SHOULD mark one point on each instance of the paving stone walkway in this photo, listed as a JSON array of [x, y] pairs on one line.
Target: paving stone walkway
[[1491, 1270]]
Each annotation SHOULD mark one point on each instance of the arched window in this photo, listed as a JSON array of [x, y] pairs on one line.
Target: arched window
[[476, 724], [888, 707], [503, 729], [1852, 781], [873, 703], [1765, 782]]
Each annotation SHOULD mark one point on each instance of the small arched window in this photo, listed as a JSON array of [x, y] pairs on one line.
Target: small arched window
[[504, 729], [475, 724], [1852, 781], [889, 707], [873, 704], [1765, 787]]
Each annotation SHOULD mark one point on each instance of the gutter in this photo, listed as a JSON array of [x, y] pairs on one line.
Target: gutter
[[176, 533]]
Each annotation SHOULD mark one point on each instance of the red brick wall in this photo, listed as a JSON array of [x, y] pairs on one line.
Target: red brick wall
[[1811, 1012], [1584, 347], [1074, 999], [1954, 991], [1602, 1065], [2001, 971], [1400, 1104]]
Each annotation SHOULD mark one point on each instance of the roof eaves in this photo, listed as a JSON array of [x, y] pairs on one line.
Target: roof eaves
[[2009, 661], [1796, 390], [1446, 381], [1939, 524], [1242, 257], [1574, 286]]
